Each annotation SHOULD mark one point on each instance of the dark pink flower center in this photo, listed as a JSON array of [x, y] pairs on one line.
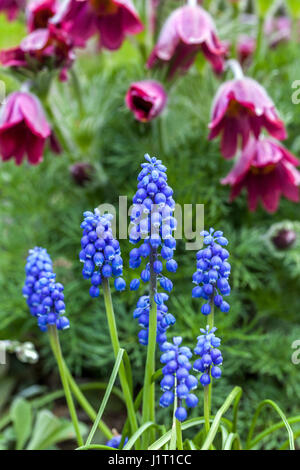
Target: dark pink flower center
[[104, 7], [142, 104], [265, 170], [42, 17]]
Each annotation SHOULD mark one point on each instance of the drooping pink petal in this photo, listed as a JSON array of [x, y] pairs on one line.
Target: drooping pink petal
[[268, 171], [229, 138], [188, 29], [131, 22], [246, 101], [111, 31], [23, 128]]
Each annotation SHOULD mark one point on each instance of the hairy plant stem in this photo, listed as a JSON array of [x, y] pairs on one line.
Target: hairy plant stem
[[149, 386], [110, 315], [85, 405], [55, 345]]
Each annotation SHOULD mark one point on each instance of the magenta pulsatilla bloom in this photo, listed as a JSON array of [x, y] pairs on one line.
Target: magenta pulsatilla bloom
[[241, 107], [188, 30], [246, 46], [12, 7], [278, 30], [146, 99], [23, 128], [39, 12], [50, 47], [112, 19], [267, 170]]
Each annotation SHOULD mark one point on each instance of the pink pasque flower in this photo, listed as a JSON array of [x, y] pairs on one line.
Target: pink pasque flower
[[112, 19], [23, 128], [188, 30], [12, 7], [242, 107], [246, 46], [39, 12], [267, 170], [278, 30], [50, 47], [146, 99]]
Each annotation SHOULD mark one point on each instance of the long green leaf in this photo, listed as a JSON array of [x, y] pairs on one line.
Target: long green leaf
[[167, 436], [106, 396], [137, 404], [138, 434], [282, 416], [95, 447], [232, 437], [271, 429], [190, 423], [286, 443], [234, 395], [127, 365], [21, 415]]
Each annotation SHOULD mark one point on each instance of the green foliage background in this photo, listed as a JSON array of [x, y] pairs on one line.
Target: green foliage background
[[43, 206]]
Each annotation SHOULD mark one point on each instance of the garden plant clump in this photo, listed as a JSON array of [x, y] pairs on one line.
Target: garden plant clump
[[149, 189]]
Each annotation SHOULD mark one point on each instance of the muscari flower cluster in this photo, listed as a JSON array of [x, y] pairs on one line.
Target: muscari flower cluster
[[164, 319], [154, 224], [177, 380], [211, 357], [212, 273], [116, 441], [100, 252], [44, 295]]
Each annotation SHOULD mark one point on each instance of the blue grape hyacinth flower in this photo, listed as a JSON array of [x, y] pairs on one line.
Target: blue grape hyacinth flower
[[100, 252], [164, 319], [210, 356], [177, 380], [213, 271], [153, 224], [116, 441], [43, 294]]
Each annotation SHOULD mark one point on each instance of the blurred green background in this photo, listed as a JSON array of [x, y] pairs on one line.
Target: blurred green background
[[43, 205]]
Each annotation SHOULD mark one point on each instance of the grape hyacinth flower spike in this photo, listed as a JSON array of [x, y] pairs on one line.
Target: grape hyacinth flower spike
[[102, 260], [213, 270], [100, 252], [153, 224], [44, 295], [164, 319], [45, 299], [177, 381], [210, 356]]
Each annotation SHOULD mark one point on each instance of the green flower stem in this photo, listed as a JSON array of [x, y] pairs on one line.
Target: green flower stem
[[179, 443], [55, 345], [208, 388], [259, 37], [85, 405], [206, 409], [149, 386], [77, 89], [116, 347], [59, 130]]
